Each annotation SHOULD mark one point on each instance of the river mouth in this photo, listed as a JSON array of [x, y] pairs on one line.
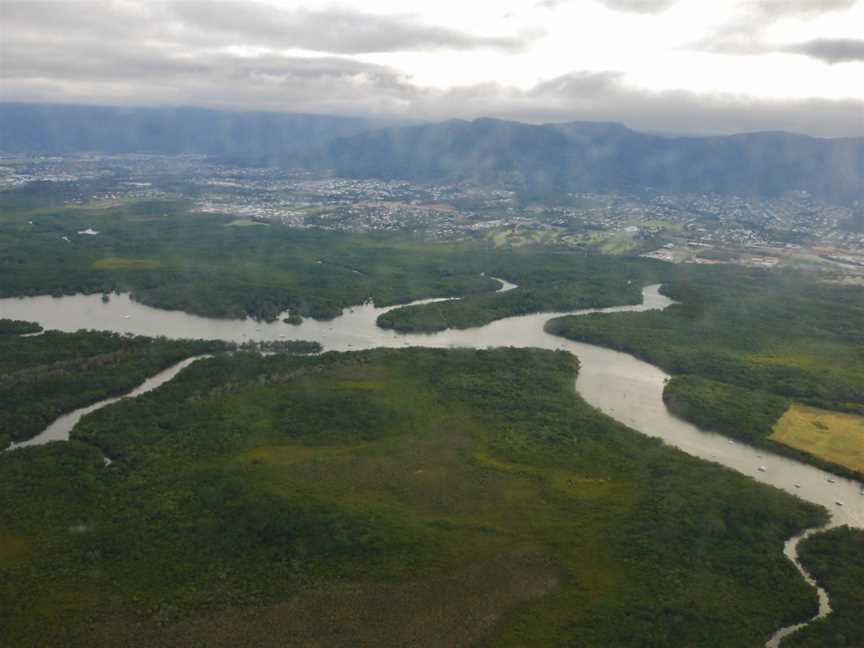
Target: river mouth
[[623, 387]]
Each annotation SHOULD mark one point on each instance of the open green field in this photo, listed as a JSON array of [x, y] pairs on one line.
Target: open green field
[[615, 243], [832, 436], [413, 497], [121, 263]]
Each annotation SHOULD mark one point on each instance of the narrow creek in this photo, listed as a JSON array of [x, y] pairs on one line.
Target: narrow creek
[[625, 388], [60, 429]]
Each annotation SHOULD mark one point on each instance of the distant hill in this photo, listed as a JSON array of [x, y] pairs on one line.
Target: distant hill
[[262, 136], [588, 156], [536, 159]]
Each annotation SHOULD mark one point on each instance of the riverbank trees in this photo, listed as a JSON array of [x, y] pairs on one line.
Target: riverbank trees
[[18, 327], [835, 558], [744, 341], [44, 376]]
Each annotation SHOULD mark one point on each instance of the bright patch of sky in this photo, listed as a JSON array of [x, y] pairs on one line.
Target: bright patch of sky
[[655, 51], [712, 65]]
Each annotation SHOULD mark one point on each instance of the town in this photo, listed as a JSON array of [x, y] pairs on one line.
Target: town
[[793, 230]]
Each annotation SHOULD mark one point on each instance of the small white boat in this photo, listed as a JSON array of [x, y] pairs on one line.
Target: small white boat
[[830, 481], [763, 469], [839, 503], [797, 485], [127, 317]]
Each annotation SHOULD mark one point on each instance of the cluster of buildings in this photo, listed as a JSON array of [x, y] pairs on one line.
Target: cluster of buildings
[[694, 228]]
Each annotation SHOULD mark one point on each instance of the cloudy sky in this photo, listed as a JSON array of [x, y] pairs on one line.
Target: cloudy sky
[[713, 66]]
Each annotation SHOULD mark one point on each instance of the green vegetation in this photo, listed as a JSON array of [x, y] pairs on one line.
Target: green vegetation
[[422, 497], [18, 327], [769, 421], [760, 334], [745, 414], [836, 560], [548, 281], [44, 376], [776, 332], [169, 258]]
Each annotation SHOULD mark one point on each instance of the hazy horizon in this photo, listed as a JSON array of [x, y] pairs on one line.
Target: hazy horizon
[[685, 67], [384, 121]]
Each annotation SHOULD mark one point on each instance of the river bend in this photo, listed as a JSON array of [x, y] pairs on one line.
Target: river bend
[[627, 389]]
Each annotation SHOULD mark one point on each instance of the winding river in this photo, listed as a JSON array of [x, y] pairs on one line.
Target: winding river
[[627, 389]]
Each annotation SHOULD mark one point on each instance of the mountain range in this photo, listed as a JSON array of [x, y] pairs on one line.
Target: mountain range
[[590, 156], [265, 136], [535, 159]]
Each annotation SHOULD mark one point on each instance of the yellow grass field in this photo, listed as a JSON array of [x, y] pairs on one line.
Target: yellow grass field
[[124, 263], [832, 436], [12, 548]]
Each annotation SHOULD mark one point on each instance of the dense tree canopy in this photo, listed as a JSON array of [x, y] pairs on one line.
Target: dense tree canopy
[[44, 376], [258, 498]]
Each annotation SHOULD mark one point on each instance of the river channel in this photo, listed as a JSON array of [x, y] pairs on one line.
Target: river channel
[[627, 389]]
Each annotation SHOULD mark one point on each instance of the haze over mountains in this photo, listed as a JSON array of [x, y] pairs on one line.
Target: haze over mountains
[[588, 156], [537, 159], [57, 129]]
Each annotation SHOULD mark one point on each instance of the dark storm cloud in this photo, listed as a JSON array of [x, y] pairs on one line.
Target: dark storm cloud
[[830, 50]]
